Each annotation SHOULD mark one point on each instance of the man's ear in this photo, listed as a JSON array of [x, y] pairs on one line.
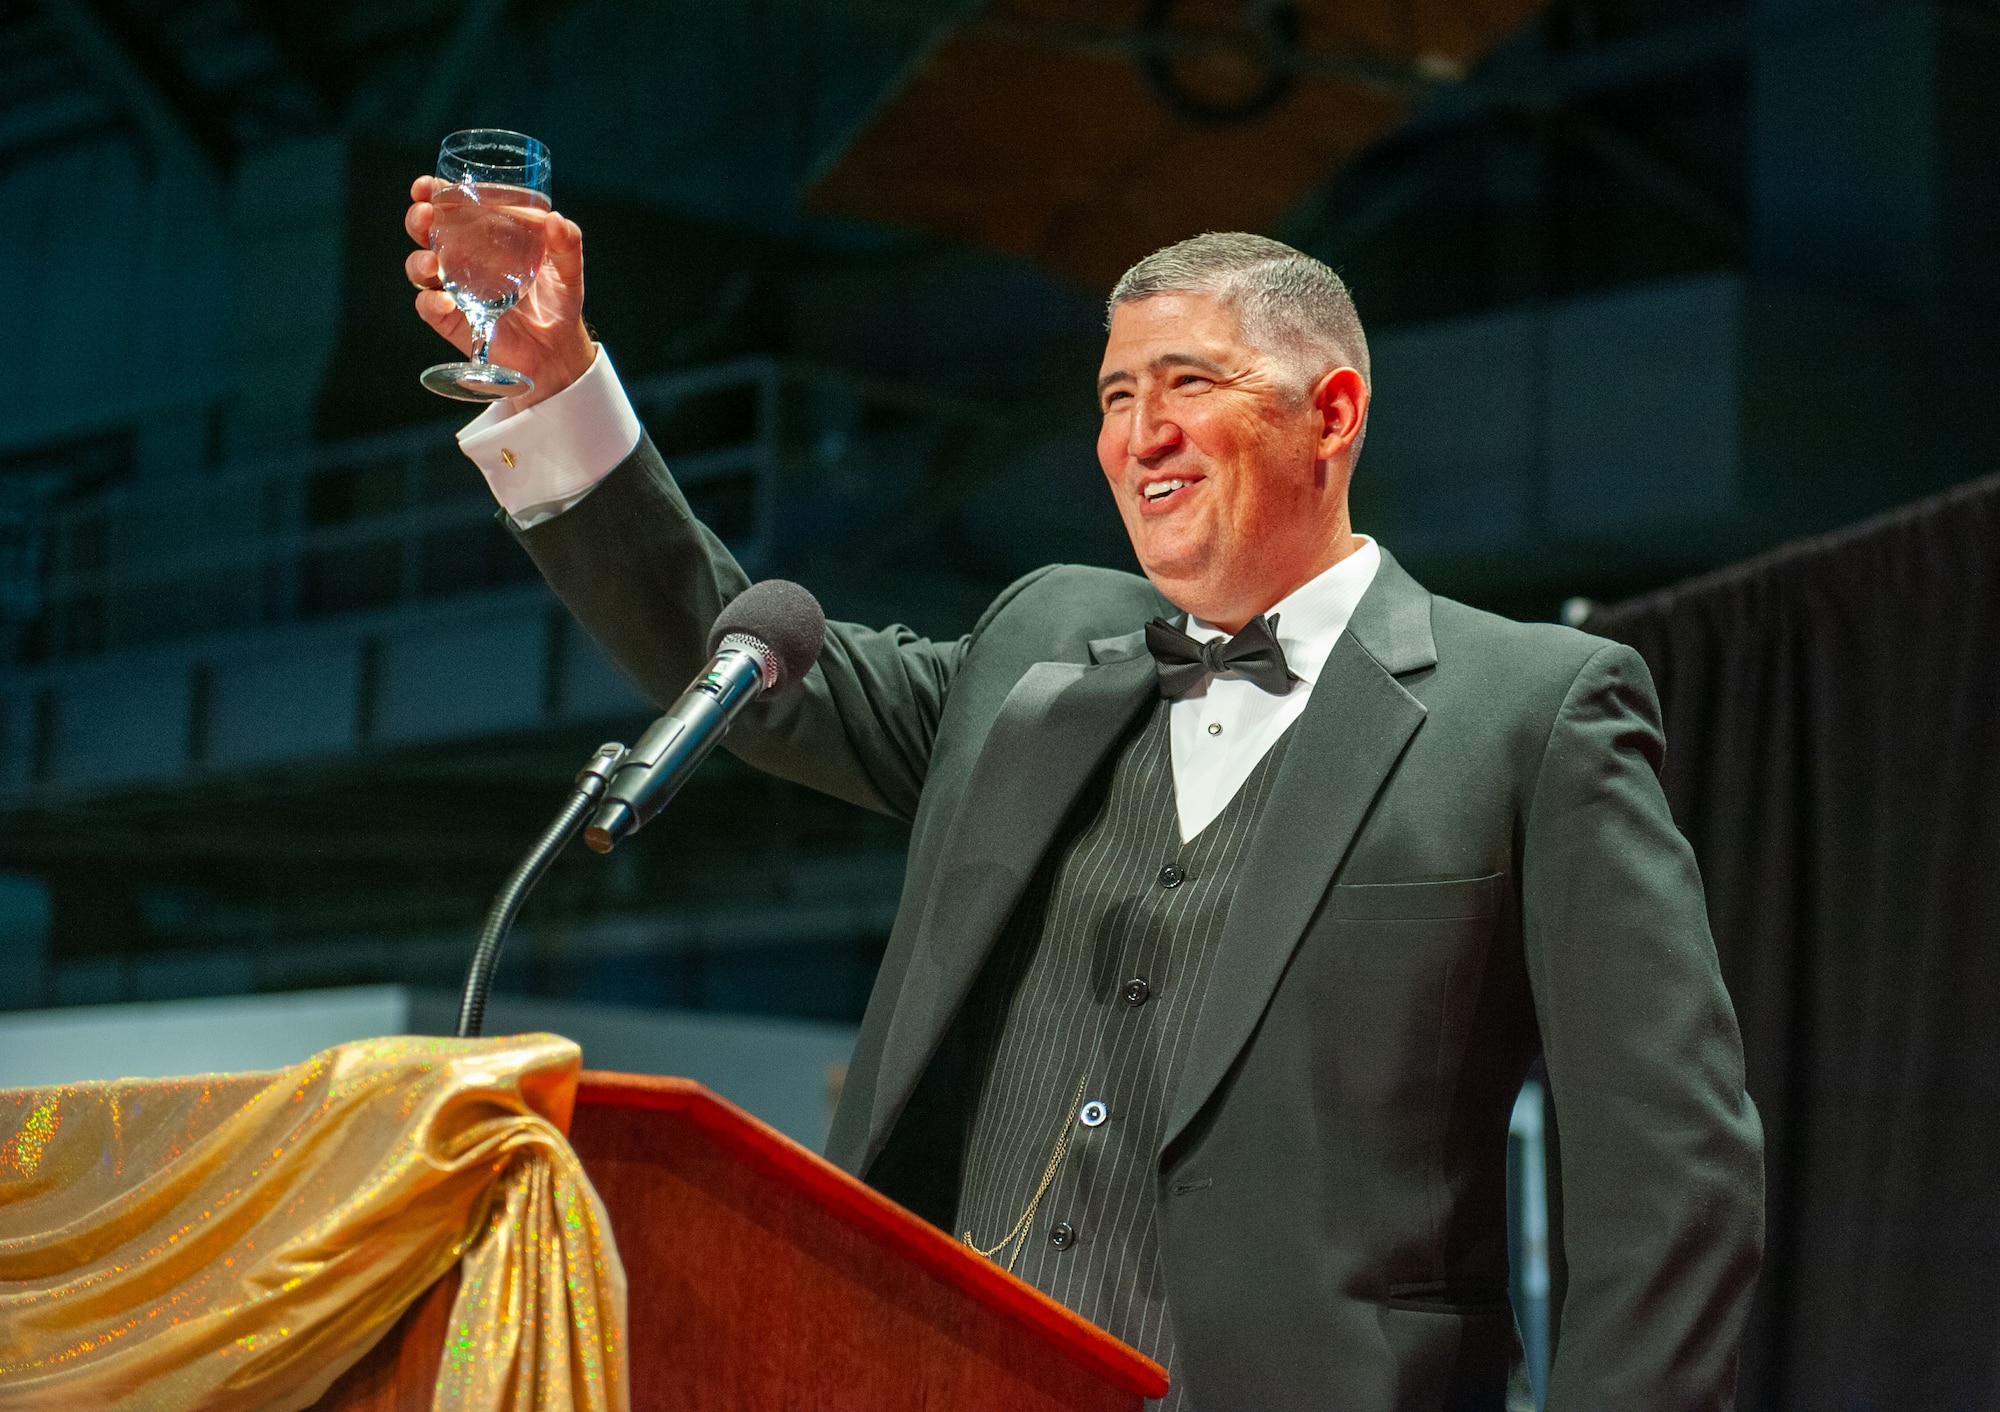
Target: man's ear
[[1341, 400]]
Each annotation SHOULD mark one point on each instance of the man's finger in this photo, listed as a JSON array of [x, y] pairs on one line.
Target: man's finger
[[418, 219], [422, 187], [422, 268], [563, 240], [437, 309]]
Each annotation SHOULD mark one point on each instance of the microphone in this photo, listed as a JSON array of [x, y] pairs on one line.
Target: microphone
[[765, 640]]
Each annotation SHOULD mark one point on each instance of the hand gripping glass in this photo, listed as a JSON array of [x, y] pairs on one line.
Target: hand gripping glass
[[488, 236]]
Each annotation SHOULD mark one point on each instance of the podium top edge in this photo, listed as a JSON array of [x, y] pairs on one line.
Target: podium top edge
[[861, 1206]]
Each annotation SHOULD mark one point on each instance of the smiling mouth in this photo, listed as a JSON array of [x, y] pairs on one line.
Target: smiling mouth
[[1159, 490]]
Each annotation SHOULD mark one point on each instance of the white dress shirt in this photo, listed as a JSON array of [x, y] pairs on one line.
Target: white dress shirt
[[1222, 728], [542, 460]]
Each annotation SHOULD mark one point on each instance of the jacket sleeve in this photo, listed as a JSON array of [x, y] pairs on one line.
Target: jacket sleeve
[[1661, 1151], [646, 579]]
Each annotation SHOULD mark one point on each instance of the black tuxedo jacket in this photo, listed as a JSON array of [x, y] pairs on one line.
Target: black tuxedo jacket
[[1466, 860]]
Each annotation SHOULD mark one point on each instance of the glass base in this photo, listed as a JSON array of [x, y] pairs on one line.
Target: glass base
[[476, 382]]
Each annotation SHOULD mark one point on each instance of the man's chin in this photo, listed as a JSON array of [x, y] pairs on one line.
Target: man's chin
[[1179, 581], [1173, 546]]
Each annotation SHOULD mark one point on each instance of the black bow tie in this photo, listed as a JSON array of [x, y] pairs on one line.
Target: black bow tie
[[1184, 664]]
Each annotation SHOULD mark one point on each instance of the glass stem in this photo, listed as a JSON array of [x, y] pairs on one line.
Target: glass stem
[[482, 333]]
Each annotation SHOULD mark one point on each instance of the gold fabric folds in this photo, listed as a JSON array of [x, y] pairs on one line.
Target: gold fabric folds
[[239, 1240]]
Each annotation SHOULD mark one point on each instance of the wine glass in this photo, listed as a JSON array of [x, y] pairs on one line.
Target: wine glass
[[488, 235]]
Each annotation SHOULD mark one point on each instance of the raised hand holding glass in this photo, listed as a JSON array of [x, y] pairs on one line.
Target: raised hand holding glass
[[488, 234]]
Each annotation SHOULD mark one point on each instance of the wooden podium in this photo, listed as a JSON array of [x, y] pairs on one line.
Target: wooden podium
[[762, 1276]]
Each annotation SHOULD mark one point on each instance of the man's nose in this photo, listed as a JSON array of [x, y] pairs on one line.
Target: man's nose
[[1153, 433]]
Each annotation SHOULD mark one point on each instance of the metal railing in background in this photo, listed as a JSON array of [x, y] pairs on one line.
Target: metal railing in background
[[403, 518]]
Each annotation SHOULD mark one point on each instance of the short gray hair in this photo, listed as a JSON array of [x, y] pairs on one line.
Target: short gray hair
[[1290, 304]]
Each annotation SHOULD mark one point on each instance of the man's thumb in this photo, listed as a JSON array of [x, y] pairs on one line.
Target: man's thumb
[[565, 247]]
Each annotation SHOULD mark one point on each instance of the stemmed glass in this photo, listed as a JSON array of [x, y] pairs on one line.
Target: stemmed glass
[[488, 235]]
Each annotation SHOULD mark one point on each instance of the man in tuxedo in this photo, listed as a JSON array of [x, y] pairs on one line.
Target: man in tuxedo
[[1240, 897]]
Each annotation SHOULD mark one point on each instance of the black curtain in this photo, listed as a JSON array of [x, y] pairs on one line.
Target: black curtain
[[1833, 754]]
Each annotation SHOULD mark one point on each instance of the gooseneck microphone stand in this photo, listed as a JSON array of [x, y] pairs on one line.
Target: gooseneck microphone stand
[[590, 785]]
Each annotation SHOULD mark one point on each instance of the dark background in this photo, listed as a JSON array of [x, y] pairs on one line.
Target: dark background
[[1830, 710], [1652, 286]]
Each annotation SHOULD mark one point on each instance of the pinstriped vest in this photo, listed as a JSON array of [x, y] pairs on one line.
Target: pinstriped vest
[[1096, 989]]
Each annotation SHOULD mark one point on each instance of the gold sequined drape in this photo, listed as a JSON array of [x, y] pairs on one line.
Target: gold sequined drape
[[236, 1241]]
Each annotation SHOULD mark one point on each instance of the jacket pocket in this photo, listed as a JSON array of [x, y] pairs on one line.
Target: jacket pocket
[[1418, 901], [1466, 1301]]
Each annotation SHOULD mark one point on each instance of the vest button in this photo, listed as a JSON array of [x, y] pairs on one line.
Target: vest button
[[1062, 1235], [1172, 875], [1137, 991]]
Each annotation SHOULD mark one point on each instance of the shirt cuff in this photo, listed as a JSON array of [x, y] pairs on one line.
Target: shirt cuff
[[541, 460]]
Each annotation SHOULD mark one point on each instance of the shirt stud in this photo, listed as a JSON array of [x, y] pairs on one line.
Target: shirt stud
[[1093, 1114], [1215, 728]]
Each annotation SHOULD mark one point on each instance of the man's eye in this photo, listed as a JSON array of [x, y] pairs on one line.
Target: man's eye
[[1113, 400], [1191, 380]]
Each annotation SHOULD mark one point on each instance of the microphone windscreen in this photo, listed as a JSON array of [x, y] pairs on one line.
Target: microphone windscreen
[[782, 616]]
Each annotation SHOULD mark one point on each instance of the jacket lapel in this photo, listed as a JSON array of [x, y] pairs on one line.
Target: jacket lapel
[[1353, 730], [1053, 731]]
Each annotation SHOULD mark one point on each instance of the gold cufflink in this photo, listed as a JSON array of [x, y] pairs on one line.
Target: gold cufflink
[[507, 458]]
